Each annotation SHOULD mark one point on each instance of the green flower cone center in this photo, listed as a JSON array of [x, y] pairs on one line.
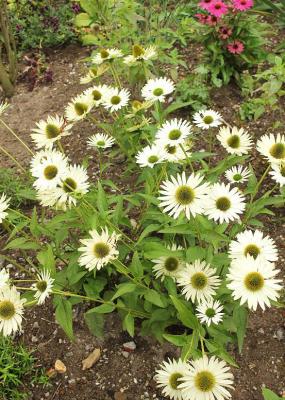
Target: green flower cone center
[[252, 250], [254, 281], [96, 95], [237, 177], [277, 151], [223, 204], [174, 134], [41, 286], [208, 119], [104, 53], [52, 131], [158, 92], [210, 312], [152, 159], [101, 143], [184, 195], [50, 172], [199, 280], [234, 141], [115, 100], [171, 264], [138, 51], [101, 250], [174, 380], [69, 185], [205, 381], [80, 108], [7, 310]]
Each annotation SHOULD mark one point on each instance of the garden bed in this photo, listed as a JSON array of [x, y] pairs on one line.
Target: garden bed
[[261, 362]]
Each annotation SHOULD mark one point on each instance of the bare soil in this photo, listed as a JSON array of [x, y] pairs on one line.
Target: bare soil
[[114, 376]]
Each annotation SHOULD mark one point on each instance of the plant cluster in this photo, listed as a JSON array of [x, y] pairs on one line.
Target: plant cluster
[[263, 90], [182, 249], [233, 39], [17, 365], [41, 24]]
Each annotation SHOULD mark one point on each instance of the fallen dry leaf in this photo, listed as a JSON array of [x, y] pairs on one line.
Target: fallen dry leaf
[[60, 367], [120, 396], [91, 359], [51, 372]]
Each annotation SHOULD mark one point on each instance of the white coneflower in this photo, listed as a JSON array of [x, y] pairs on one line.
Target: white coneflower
[[235, 140], [157, 89], [272, 147], [210, 312], [278, 173], [50, 131], [237, 174], [74, 185], [173, 132], [3, 107], [99, 250], [176, 152], [11, 310], [49, 167], [43, 286], [4, 205], [168, 265], [207, 379], [253, 282], [224, 204], [116, 98], [79, 107], [150, 156], [206, 119], [106, 55], [100, 141], [97, 93], [254, 244], [183, 195], [198, 281], [140, 54], [168, 377], [4, 278]]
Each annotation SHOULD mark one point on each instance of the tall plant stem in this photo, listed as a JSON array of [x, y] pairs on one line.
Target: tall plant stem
[[17, 137], [13, 159]]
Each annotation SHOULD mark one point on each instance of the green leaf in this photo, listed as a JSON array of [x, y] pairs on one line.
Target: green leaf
[[47, 260], [178, 229], [63, 315], [102, 203], [22, 243], [129, 324], [185, 315], [90, 7], [177, 340], [269, 395], [82, 19], [136, 266], [124, 288], [240, 319], [150, 228], [154, 297], [95, 323], [103, 309]]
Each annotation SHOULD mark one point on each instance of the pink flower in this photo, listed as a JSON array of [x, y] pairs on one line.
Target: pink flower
[[205, 4], [211, 20], [242, 5], [202, 18], [236, 47], [225, 32], [218, 8]]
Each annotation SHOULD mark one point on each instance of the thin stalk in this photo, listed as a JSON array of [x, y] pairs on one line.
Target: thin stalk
[[16, 264], [13, 159], [17, 137], [70, 294]]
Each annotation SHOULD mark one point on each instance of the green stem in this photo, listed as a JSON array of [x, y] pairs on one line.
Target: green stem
[[17, 137], [19, 266], [13, 159]]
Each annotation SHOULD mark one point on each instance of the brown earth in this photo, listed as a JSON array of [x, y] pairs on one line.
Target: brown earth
[[262, 360]]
